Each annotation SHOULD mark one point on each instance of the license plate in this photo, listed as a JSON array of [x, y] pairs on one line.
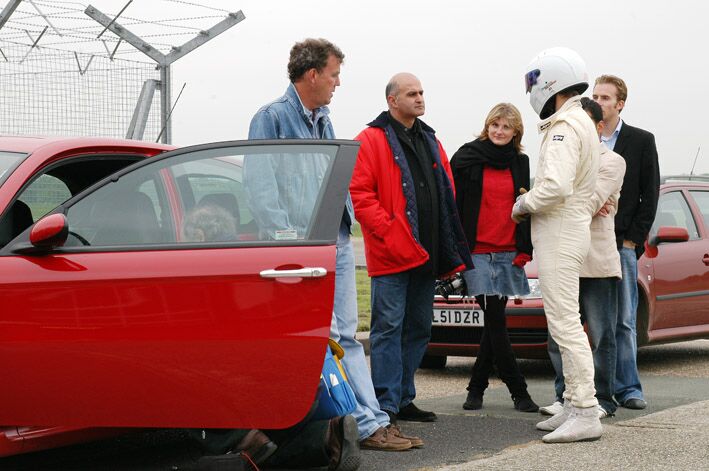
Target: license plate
[[459, 317]]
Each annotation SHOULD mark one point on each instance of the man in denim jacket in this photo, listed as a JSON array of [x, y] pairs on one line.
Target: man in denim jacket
[[282, 203]]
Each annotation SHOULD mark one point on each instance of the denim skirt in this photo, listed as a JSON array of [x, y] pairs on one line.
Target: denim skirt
[[495, 275]]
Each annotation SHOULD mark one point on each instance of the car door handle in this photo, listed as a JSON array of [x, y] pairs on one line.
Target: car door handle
[[307, 272], [706, 259]]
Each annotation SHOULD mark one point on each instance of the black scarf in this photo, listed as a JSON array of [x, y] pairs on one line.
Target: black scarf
[[467, 166], [484, 152]]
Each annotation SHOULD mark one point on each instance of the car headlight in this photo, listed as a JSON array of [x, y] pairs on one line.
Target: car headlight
[[535, 291]]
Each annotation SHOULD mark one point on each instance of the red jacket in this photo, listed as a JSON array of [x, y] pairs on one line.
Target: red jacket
[[380, 204]]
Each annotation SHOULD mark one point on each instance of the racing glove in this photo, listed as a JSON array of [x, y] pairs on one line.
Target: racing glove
[[519, 211]]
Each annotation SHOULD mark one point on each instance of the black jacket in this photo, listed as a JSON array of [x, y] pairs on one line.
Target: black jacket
[[468, 194], [641, 185]]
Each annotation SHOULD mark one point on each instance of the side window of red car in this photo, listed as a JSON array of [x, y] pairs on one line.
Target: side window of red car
[[126, 212], [673, 210], [41, 196], [251, 194], [44, 194], [702, 200]]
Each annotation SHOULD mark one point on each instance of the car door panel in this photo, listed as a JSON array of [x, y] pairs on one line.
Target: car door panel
[[680, 284], [171, 336]]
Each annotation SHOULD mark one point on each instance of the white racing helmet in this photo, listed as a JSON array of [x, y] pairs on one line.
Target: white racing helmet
[[554, 70]]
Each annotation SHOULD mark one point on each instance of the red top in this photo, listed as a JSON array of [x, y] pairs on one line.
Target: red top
[[496, 230]]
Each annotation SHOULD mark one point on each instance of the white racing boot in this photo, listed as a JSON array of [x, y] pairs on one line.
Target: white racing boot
[[582, 425], [556, 420]]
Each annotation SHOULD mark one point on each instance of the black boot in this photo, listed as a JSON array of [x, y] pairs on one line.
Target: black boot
[[474, 401], [524, 403]]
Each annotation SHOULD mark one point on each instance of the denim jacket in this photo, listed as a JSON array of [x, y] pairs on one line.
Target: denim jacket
[[290, 207]]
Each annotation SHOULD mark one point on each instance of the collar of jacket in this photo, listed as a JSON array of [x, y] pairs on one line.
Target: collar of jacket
[[547, 123], [383, 120], [297, 104]]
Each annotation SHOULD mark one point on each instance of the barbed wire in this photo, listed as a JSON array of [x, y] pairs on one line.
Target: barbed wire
[[183, 2], [71, 28]]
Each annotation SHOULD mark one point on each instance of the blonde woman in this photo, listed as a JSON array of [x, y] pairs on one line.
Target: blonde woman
[[489, 173]]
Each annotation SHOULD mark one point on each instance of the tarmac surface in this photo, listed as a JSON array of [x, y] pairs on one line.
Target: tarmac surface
[[671, 434]]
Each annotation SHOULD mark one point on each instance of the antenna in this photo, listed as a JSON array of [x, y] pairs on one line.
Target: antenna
[[695, 161], [169, 115]]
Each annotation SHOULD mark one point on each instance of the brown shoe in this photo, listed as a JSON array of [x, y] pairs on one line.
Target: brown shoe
[[382, 440], [341, 444], [416, 442]]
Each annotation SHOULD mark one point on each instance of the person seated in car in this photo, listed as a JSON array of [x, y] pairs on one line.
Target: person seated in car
[[208, 223]]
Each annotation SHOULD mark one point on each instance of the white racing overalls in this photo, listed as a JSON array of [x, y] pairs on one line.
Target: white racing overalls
[[561, 218]]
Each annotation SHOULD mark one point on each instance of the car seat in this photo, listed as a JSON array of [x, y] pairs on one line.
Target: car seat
[[17, 219], [128, 219]]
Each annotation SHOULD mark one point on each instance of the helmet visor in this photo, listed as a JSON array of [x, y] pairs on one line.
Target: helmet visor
[[530, 79]]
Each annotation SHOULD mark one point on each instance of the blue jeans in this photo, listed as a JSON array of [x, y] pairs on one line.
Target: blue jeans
[[400, 331], [599, 310], [344, 326], [627, 378]]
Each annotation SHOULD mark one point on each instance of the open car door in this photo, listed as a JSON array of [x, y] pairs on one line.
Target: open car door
[[194, 289]]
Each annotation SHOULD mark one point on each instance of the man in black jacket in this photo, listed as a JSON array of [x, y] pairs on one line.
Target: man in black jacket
[[636, 212]]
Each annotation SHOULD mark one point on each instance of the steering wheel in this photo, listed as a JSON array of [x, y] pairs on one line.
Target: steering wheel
[[78, 237]]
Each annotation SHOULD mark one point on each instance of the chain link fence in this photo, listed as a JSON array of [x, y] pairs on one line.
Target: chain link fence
[[45, 91]]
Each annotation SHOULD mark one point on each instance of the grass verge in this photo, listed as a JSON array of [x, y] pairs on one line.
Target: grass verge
[[363, 303]]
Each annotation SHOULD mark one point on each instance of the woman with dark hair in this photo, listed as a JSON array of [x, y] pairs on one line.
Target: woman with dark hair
[[489, 173]]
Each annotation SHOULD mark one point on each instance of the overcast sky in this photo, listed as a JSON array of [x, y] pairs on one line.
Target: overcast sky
[[468, 55]]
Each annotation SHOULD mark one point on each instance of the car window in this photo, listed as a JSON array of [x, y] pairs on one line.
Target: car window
[[673, 210], [702, 200], [8, 162], [44, 194], [41, 196], [55, 184], [218, 195], [216, 182], [127, 212], [154, 190]]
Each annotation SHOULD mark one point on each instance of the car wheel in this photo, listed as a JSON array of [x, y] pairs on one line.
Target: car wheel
[[433, 362]]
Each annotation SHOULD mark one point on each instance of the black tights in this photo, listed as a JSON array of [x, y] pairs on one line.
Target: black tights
[[495, 347]]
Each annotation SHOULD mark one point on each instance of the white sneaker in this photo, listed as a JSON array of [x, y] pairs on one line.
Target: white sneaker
[[602, 413], [582, 425], [556, 420], [552, 409]]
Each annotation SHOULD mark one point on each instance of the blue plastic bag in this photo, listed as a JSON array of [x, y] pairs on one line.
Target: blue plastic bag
[[335, 396]]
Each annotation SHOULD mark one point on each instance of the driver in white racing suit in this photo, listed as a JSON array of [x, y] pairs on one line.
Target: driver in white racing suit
[[564, 182]]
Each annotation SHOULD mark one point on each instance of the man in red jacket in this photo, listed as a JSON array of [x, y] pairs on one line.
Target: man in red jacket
[[403, 197]]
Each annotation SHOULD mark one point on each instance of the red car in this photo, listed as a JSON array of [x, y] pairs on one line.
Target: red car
[[115, 316], [673, 281]]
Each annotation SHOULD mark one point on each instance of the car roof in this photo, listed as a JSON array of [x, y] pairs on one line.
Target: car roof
[[684, 181], [29, 144]]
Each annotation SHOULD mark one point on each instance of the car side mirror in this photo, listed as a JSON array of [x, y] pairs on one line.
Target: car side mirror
[[670, 234], [48, 233]]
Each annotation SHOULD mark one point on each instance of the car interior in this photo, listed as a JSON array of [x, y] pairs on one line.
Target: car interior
[[54, 185]]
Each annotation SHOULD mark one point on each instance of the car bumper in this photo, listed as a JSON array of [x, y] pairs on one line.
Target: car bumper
[[526, 326]]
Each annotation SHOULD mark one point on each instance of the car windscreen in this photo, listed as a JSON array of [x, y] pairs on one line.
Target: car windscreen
[[9, 162]]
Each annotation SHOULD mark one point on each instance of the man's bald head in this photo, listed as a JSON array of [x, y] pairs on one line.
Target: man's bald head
[[405, 98], [394, 84]]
